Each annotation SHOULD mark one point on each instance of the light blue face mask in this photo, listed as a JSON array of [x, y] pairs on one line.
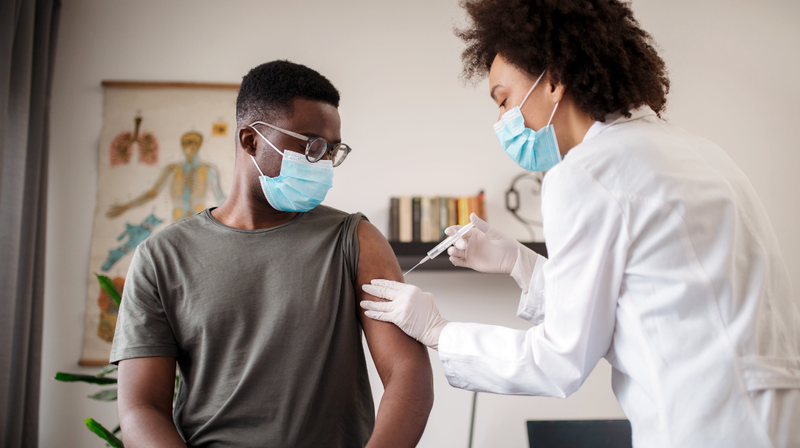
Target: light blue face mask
[[301, 186], [532, 150]]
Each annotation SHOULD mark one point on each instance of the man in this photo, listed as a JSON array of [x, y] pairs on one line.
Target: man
[[256, 300]]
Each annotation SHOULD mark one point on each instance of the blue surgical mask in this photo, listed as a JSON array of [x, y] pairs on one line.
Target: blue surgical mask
[[301, 186], [531, 150]]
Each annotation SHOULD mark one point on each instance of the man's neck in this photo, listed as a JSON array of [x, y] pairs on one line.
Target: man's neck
[[241, 211]]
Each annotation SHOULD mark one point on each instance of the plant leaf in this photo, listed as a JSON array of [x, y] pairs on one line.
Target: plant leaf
[[111, 368], [71, 377], [108, 285], [105, 395], [104, 434], [116, 430]]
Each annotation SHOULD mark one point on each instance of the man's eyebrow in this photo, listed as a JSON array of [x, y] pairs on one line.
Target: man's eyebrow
[[492, 92], [315, 135]]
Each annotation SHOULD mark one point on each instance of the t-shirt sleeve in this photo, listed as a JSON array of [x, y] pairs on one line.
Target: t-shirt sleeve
[[143, 329], [350, 242]]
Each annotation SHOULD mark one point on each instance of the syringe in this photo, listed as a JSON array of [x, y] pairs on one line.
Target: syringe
[[441, 247]]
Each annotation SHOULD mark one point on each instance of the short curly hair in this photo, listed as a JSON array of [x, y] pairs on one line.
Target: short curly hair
[[267, 91], [594, 47]]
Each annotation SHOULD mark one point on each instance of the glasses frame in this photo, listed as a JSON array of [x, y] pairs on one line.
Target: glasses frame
[[329, 148]]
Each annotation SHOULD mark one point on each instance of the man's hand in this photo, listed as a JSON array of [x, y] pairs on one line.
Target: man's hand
[[412, 310]]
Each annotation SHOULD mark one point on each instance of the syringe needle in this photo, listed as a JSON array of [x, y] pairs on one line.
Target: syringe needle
[[441, 247], [415, 266]]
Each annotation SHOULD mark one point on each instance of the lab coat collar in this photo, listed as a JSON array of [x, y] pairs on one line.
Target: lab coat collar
[[617, 118]]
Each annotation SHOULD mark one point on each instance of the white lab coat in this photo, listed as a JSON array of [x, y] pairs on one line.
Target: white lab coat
[[663, 261]]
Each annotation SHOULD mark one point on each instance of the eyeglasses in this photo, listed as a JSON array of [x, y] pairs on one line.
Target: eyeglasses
[[317, 148]]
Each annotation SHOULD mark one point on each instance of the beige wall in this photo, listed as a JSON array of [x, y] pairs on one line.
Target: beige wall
[[416, 130]]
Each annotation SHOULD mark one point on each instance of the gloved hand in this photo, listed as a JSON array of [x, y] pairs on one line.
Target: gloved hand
[[484, 248], [412, 310]]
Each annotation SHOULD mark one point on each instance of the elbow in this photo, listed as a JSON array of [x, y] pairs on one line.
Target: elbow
[[567, 381], [137, 420], [423, 381], [428, 392], [570, 387], [415, 379]]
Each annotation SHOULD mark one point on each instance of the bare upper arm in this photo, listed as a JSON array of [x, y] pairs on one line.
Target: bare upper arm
[[146, 381], [387, 343]]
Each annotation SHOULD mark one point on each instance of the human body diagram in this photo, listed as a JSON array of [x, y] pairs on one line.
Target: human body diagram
[[190, 181]]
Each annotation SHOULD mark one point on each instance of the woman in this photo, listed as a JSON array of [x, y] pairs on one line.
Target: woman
[[661, 257]]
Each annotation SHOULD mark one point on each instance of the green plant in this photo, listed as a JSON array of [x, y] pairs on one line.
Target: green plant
[[103, 379], [100, 379]]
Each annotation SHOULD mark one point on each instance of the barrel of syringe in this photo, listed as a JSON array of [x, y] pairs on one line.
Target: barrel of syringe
[[449, 241]]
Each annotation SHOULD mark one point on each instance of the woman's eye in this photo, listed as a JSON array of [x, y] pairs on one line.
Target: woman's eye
[[503, 104]]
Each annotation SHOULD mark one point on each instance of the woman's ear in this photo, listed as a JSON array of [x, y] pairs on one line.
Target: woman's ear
[[246, 139], [555, 91]]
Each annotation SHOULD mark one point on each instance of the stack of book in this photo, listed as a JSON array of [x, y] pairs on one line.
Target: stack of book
[[424, 219]]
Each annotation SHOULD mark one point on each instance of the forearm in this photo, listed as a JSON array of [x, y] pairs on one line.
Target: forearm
[[405, 405], [146, 426], [500, 360], [148, 196]]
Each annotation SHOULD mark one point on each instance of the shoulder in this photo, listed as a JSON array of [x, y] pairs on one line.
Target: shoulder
[[376, 257], [323, 213], [627, 156], [620, 141], [327, 212], [176, 233]]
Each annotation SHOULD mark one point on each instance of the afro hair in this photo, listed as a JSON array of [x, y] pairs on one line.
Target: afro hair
[[595, 48]]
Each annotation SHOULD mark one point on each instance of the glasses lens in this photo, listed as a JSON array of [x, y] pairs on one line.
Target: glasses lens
[[316, 149], [340, 152]]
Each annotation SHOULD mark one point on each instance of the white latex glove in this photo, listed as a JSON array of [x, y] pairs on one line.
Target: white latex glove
[[412, 310], [484, 248]]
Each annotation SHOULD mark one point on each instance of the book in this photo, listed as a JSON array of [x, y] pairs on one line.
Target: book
[[415, 218], [473, 206], [463, 211], [394, 219], [434, 234], [425, 219], [405, 220], [443, 221], [481, 207], [452, 212]]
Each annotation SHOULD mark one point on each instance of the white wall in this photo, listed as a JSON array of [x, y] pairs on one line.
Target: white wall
[[733, 67]]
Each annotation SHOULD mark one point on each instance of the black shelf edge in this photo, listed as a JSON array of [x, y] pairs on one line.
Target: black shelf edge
[[409, 254]]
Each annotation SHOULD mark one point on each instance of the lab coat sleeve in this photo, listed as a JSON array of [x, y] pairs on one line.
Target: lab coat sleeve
[[530, 278], [587, 246]]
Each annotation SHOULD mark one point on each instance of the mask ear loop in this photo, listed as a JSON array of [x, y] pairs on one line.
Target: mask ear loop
[[265, 139], [551, 115], [530, 91], [270, 144], [256, 164]]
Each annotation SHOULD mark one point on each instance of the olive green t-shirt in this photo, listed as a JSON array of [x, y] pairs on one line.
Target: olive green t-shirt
[[263, 324]]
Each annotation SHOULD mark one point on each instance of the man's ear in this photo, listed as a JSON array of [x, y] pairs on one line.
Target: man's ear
[[246, 138]]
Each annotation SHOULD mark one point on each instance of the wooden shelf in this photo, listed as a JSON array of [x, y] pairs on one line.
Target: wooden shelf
[[409, 254]]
